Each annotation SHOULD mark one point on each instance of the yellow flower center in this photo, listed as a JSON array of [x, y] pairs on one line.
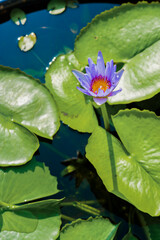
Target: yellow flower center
[[100, 82]]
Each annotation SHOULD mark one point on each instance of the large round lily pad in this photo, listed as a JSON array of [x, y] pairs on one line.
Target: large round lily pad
[[130, 169], [26, 106]]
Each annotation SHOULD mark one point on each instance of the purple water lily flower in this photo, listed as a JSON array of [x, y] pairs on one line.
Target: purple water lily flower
[[99, 81]]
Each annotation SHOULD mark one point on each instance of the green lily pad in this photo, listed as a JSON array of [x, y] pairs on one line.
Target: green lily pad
[[92, 228], [18, 16], [27, 102], [56, 6], [28, 220], [17, 144], [141, 76], [26, 106], [19, 221], [48, 227], [112, 32], [16, 183], [130, 169], [27, 42], [129, 34], [75, 110]]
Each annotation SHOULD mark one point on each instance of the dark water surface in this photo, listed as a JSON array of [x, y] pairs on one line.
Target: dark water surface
[[55, 34]]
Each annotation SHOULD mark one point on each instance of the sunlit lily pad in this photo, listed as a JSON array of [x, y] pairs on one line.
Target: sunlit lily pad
[[17, 144], [75, 110], [18, 221], [18, 16], [37, 220], [27, 102], [92, 228], [130, 169], [129, 34], [56, 6], [27, 42], [26, 107]]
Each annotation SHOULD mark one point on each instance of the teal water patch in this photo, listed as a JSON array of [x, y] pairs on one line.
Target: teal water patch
[[55, 35]]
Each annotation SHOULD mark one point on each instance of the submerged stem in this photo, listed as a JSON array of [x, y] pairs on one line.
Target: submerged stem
[[105, 117], [143, 225], [65, 217], [83, 206]]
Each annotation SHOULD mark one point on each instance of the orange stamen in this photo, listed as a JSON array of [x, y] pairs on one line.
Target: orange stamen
[[100, 82]]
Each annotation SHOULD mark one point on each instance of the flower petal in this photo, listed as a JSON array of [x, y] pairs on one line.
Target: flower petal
[[89, 78], [108, 91], [107, 70], [90, 62], [92, 93], [114, 93], [117, 76], [111, 64], [100, 64], [88, 72], [84, 91], [100, 101], [82, 79], [111, 70], [100, 93], [92, 68], [87, 92]]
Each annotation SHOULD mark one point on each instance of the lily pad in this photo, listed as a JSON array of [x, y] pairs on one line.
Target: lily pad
[[25, 106], [17, 144], [141, 77], [27, 42], [47, 228], [75, 110], [28, 221], [56, 6], [27, 102], [18, 16], [129, 34], [130, 169], [92, 228], [19, 221], [16, 183]]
